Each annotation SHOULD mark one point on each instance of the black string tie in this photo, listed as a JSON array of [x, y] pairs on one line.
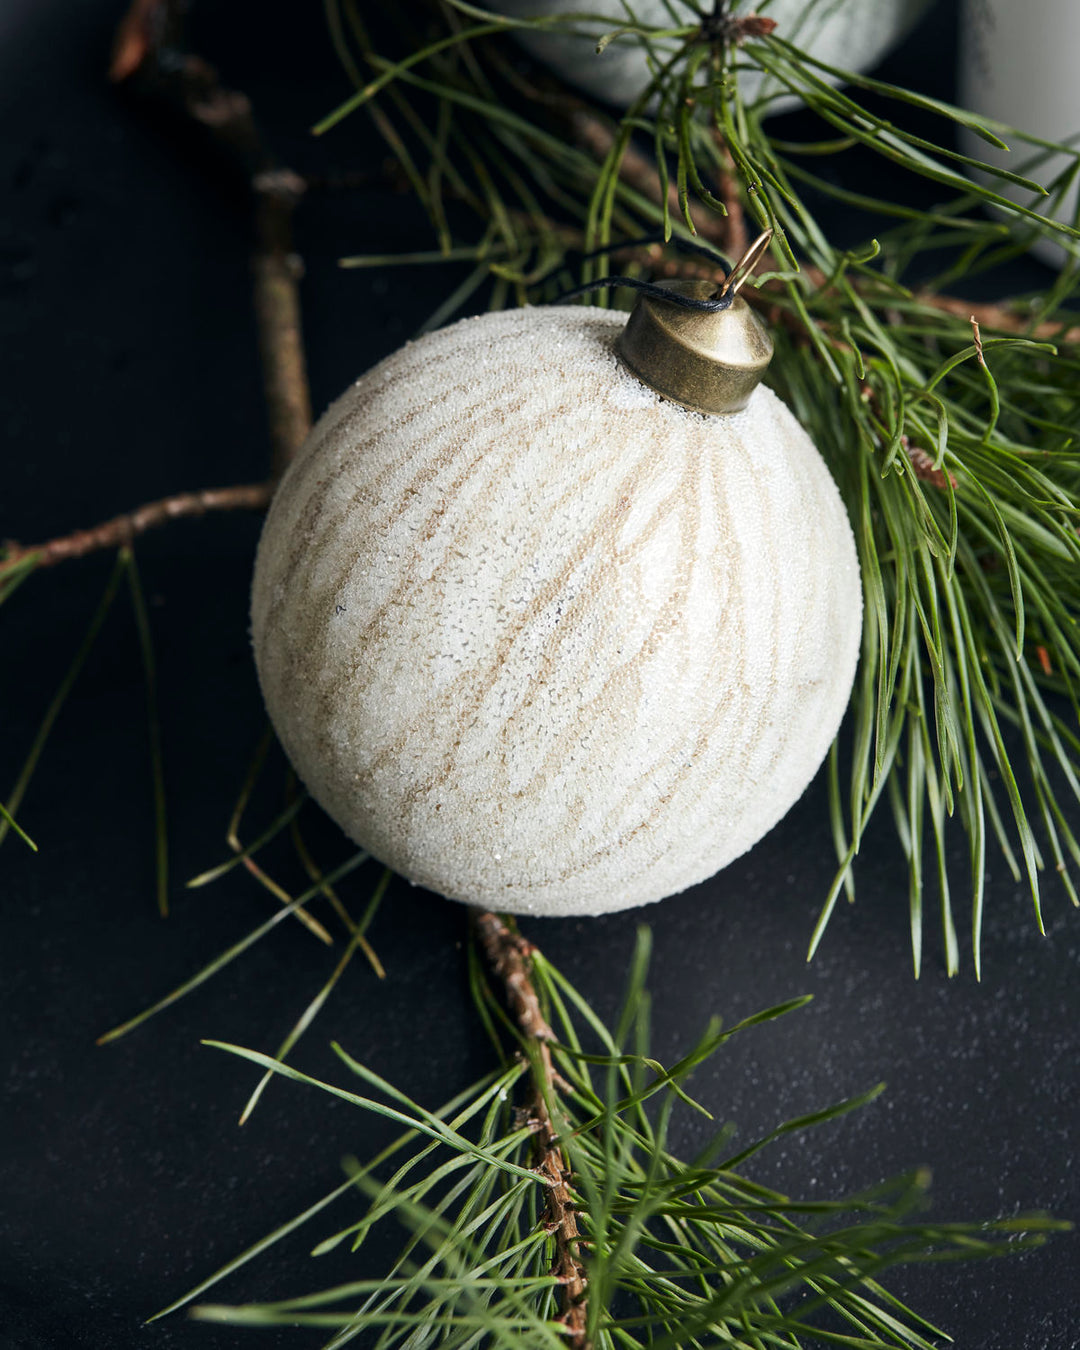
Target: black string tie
[[726, 288], [711, 305]]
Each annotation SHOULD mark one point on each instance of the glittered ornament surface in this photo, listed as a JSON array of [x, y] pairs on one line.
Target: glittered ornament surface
[[542, 640]]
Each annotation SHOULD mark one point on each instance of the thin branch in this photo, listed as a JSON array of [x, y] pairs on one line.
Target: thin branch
[[151, 59], [123, 529], [277, 270], [978, 341], [727, 182], [508, 954], [1000, 317]]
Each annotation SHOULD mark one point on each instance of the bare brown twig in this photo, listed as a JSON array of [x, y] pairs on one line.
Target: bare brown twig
[[149, 59], [508, 954], [999, 317], [277, 272], [737, 237], [977, 336], [124, 528]]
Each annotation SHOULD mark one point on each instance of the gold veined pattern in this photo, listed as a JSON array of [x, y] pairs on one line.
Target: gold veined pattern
[[541, 640]]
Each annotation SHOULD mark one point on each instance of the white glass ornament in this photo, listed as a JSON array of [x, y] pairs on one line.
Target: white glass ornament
[[543, 640], [1018, 66], [850, 34]]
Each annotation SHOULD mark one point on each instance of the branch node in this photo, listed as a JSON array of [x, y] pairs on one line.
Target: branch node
[[280, 182], [509, 956]]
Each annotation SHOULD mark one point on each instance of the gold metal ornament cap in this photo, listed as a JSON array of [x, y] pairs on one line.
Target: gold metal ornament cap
[[709, 361]]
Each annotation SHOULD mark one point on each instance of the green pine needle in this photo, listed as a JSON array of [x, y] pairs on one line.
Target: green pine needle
[[957, 453], [315, 1006], [157, 772], [226, 957], [12, 824], [271, 832], [677, 1253], [52, 712]]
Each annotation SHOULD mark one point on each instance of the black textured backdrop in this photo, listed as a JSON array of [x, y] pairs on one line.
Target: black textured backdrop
[[129, 371]]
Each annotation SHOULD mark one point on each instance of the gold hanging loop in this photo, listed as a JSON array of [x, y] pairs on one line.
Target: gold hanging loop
[[746, 264]]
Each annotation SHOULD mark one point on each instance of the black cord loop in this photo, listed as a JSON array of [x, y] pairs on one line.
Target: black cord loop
[[713, 305], [650, 288]]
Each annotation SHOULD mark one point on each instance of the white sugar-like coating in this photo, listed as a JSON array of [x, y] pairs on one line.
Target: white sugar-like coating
[[541, 640]]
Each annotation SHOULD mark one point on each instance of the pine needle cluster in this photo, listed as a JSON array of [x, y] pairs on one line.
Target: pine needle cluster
[[669, 1254], [953, 441], [954, 444]]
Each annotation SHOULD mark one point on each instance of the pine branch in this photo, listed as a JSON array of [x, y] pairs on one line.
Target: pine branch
[[961, 476], [678, 1254], [508, 954], [728, 233]]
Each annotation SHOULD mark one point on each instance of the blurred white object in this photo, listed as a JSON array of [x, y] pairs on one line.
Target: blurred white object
[[1018, 64], [850, 34]]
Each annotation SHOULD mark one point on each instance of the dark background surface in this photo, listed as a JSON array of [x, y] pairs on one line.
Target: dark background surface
[[130, 372]]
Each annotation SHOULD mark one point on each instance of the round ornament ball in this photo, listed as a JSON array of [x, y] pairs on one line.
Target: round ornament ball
[[849, 34], [543, 640]]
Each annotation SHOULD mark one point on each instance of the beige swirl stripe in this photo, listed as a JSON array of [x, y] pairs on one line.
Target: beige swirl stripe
[[539, 639]]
